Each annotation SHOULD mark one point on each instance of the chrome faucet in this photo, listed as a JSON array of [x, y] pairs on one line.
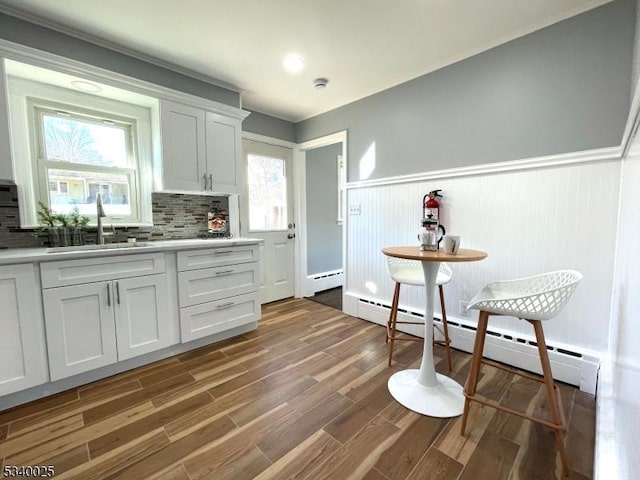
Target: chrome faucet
[[101, 214]]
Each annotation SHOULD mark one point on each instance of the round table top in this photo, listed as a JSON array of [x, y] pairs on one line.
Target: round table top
[[414, 253]]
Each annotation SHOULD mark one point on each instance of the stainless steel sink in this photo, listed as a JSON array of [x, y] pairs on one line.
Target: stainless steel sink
[[108, 246]]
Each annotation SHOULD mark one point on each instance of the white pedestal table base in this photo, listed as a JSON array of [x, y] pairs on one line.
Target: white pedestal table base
[[443, 400]]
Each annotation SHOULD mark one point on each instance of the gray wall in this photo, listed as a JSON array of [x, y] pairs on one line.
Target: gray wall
[[324, 236], [562, 89], [636, 51], [26, 33], [269, 126]]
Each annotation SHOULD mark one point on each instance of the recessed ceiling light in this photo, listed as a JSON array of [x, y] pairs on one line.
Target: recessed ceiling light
[[86, 86], [293, 63]]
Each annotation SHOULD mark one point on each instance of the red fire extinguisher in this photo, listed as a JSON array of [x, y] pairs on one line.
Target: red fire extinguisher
[[431, 205]]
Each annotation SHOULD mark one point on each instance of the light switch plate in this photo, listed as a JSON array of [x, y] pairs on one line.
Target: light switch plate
[[354, 209]]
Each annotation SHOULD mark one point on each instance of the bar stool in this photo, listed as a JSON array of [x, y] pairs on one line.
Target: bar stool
[[534, 299], [410, 272]]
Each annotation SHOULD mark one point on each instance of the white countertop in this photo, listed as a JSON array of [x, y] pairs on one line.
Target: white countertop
[[30, 255]]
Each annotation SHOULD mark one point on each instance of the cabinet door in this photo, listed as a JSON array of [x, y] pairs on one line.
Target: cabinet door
[[183, 147], [80, 328], [224, 153], [214, 317], [23, 357], [142, 315]]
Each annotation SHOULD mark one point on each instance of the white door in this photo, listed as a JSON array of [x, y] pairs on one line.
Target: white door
[[266, 212]]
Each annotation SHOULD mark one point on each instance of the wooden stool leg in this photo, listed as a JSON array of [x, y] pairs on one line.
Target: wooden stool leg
[[393, 318], [476, 359], [553, 405], [445, 328], [394, 307]]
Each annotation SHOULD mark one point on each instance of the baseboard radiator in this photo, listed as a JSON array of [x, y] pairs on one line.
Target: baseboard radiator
[[569, 365], [324, 281]]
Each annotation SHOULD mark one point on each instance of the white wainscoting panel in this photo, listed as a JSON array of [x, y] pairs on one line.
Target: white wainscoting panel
[[529, 222]]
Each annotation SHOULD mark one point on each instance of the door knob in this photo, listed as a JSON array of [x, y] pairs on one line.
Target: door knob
[[291, 235]]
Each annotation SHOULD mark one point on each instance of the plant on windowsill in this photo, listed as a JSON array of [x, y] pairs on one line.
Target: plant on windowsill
[[62, 230]]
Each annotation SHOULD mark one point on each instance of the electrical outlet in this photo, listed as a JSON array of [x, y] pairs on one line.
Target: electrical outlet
[[354, 209], [463, 309]]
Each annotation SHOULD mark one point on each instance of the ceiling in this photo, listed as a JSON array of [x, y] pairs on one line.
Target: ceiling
[[361, 46]]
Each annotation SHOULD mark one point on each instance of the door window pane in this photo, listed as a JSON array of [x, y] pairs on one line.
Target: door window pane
[[267, 181]]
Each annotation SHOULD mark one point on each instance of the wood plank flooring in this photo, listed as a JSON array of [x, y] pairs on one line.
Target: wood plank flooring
[[305, 397], [331, 297]]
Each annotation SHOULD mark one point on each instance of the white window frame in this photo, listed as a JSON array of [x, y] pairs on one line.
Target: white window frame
[[25, 96]]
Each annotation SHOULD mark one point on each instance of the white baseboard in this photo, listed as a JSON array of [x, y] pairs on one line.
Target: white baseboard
[[569, 365], [324, 281]]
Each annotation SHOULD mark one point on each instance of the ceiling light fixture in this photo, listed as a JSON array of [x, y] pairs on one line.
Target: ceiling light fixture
[[293, 63], [86, 86], [320, 83]]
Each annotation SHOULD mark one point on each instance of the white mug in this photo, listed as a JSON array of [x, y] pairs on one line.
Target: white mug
[[451, 244]]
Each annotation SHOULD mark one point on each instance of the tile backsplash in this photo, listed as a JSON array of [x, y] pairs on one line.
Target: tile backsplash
[[175, 216]]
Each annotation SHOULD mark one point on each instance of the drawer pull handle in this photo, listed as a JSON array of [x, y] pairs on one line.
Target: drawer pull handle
[[222, 252], [224, 272], [224, 305]]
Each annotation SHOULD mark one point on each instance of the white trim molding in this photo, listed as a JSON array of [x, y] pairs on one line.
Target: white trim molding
[[300, 205], [587, 156]]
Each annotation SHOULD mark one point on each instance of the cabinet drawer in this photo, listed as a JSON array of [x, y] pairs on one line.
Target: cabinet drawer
[[87, 270], [216, 257], [209, 284], [208, 318]]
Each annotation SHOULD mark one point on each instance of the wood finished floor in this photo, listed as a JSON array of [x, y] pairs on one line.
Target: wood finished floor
[[302, 397], [331, 297]]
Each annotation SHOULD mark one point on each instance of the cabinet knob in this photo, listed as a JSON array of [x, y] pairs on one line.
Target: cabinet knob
[[291, 235]]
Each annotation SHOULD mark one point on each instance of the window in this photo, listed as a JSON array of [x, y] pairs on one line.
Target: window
[[267, 187], [81, 154], [73, 145]]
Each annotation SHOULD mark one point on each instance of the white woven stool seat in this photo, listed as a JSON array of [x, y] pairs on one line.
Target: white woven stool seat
[[539, 297], [410, 272]]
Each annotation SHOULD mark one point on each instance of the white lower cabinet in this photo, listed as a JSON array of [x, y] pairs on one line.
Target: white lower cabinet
[[141, 315], [218, 290], [80, 329], [91, 325], [23, 357]]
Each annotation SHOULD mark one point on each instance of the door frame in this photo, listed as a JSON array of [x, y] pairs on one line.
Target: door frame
[[300, 208]]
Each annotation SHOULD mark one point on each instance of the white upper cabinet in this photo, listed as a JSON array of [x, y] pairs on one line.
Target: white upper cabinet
[[183, 147], [201, 150]]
